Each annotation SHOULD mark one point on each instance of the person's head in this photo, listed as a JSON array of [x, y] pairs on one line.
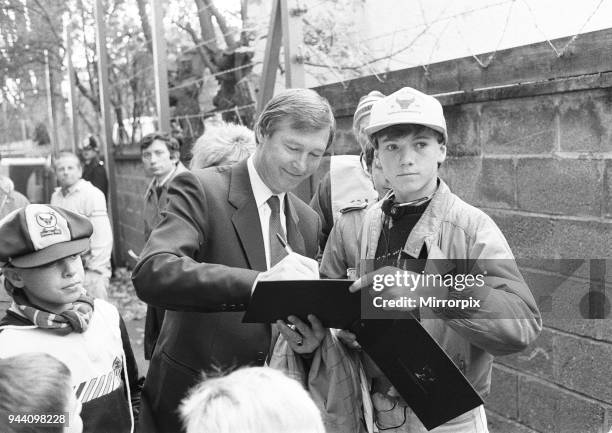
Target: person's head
[[408, 131], [90, 149], [160, 154], [250, 400], [41, 246], [292, 132], [67, 169], [37, 383], [361, 118], [223, 144]]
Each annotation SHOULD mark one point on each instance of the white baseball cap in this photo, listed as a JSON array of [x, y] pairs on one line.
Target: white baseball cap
[[407, 105]]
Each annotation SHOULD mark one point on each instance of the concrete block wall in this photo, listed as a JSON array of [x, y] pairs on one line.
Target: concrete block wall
[[540, 166]]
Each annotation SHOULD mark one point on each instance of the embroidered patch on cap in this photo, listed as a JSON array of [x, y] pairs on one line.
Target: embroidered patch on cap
[[46, 226]]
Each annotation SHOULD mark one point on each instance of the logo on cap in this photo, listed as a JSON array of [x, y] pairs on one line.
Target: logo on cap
[[405, 101], [48, 222]]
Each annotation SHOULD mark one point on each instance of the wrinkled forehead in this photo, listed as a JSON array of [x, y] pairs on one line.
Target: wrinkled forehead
[[301, 135]]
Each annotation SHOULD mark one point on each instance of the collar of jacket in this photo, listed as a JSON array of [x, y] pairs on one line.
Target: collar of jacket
[[428, 224], [180, 168]]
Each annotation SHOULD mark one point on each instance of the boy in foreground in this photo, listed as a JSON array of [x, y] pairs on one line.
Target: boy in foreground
[[51, 313], [422, 219]]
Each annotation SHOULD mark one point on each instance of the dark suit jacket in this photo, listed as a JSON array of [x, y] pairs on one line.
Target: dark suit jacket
[[200, 262]]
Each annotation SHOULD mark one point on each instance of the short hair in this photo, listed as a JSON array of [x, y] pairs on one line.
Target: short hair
[[172, 143], [250, 400], [403, 129], [304, 108], [33, 383], [66, 154], [223, 144]]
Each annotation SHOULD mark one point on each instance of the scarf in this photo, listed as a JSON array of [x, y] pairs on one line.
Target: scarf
[[74, 319]]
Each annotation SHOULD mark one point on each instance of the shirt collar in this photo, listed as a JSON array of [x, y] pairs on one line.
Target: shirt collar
[[261, 192], [73, 188]]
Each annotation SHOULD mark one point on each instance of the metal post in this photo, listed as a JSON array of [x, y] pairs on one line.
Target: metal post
[[161, 70], [105, 110], [292, 41], [72, 94], [50, 108], [270, 62]]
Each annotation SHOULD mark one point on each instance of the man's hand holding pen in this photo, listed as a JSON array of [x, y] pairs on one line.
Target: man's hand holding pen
[[302, 338]]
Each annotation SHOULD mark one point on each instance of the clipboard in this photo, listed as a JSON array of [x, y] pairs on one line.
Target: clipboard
[[419, 369], [329, 300]]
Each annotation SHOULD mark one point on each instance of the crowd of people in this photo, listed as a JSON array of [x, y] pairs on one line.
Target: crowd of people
[[212, 234]]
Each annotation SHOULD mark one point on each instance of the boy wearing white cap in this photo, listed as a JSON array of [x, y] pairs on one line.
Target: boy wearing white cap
[[422, 219], [348, 184], [40, 248]]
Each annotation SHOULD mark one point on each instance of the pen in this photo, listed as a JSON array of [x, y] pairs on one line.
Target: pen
[[284, 244]]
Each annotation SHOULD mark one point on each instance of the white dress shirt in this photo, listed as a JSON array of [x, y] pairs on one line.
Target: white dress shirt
[[262, 193]]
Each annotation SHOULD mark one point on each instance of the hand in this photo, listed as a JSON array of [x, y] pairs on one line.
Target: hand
[[292, 267], [303, 338], [348, 338], [391, 283]]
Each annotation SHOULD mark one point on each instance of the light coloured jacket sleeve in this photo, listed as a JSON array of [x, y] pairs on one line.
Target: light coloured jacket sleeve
[[507, 319]]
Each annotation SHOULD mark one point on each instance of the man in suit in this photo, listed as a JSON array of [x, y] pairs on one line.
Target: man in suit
[[216, 239]]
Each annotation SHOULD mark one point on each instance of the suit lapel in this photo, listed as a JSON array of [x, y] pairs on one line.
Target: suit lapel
[[246, 218], [294, 236]]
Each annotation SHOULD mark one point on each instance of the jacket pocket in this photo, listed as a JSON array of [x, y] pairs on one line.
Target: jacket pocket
[[178, 365]]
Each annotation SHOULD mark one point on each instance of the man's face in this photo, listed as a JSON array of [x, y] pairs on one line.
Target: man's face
[[53, 286], [410, 163], [88, 154], [158, 160], [68, 171], [288, 156]]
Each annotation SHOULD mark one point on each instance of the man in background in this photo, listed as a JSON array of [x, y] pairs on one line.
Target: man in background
[[93, 168], [160, 158], [81, 196]]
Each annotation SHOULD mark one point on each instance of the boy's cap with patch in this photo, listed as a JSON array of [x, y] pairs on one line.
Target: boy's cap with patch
[[38, 234], [407, 106]]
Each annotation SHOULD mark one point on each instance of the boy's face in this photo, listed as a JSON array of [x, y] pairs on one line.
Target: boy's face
[[54, 286], [410, 163]]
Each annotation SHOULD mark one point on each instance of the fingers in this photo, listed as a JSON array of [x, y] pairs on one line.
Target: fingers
[[348, 338], [357, 285], [317, 327], [293, 267], [289, 333]]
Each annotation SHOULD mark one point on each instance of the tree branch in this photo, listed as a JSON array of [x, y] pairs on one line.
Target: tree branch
[[222, 22], [201, 49]]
